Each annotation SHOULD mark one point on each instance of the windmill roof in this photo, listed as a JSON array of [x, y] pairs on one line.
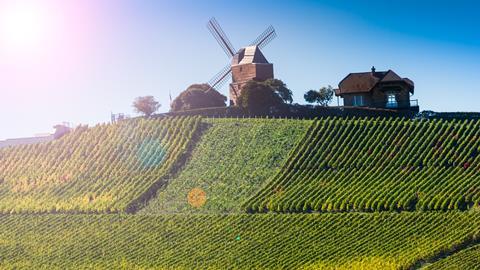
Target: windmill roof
[[249, 55]]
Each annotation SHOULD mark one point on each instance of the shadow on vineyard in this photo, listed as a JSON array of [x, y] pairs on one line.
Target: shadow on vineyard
[[441, 259], [468, 258], [151, 192]]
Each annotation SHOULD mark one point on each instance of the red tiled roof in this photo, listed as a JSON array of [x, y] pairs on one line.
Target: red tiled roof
[[364, 82]]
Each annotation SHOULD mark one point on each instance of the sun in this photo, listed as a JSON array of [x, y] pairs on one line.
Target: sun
[[24, 24]]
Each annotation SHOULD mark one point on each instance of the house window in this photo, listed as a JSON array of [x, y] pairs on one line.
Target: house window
[[358, 101], [391, 100]]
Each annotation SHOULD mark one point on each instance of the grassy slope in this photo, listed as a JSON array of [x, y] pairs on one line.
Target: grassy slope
[[100, 169], [378, 165], [231, 162], [288, 241], [467, 259]]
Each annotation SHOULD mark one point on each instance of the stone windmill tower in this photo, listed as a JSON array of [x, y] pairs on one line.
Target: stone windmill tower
[[247, 64]]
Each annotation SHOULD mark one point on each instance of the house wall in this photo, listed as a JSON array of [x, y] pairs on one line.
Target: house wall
[[379, 96], [348, 99], [403, 96]]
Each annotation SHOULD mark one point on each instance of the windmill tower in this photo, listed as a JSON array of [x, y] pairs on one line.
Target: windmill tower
[[247, 64]]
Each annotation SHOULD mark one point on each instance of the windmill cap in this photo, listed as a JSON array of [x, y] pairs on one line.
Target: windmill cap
[[249, 55]]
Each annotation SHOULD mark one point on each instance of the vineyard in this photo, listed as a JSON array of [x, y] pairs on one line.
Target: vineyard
[[289, 241], [465, 259], [378, 164], [101, 169], [232, 160], [199, 193]]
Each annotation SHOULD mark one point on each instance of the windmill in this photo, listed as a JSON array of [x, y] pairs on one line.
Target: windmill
[[245, 64]]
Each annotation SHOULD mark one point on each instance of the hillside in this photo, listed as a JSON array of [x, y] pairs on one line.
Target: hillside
[[378, 164], [331, 193], [232, 160]]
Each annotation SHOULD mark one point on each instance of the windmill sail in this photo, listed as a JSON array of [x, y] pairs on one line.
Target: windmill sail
[[268, 35], [220, 78], [221, 37]]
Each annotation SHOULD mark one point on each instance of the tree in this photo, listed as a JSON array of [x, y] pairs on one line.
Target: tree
[[280, 89], [258, 97], [146, 105], [312, 96], [323, 96], [198, 96]]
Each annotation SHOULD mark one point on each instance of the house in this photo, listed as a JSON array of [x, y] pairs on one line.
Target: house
[[248, 64], [23, 141], [377, 89], [60, 130]]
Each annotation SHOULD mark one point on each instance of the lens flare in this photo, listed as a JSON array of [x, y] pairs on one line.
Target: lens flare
[[25, 25], [151, 153], [197, 197]]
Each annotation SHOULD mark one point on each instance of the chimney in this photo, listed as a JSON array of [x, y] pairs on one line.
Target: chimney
[[373, 70]]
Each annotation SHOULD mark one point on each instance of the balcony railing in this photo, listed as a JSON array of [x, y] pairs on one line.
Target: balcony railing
[[396, 105]]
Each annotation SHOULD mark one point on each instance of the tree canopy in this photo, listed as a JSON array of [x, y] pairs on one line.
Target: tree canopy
[[146, 105], [198, 96], [259, 97], [323, 96], [280, 88]]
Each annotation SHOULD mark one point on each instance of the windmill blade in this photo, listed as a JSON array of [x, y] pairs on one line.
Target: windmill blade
[[221, 37], [268, 35], [220, 78]]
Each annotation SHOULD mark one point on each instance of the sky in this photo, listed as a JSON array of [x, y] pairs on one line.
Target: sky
[[77, 61]]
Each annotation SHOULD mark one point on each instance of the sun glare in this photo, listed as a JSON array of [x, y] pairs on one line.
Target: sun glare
[[24, 25]]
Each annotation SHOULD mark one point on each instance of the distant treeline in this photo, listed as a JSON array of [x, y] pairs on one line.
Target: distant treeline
[[448, 115]]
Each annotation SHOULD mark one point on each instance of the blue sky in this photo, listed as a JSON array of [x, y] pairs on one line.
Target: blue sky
[[107, 52]]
